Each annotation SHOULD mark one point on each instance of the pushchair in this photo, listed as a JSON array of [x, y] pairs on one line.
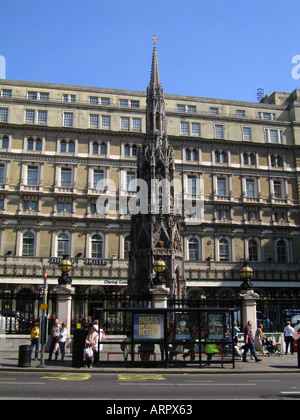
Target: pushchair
[[272, 347]]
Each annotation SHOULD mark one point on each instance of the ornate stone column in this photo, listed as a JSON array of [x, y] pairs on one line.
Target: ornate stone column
[[64, 304], [160, 296], [249, 299]]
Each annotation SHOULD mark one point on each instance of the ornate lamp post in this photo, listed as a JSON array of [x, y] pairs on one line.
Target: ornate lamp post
[[249, 298], [159, 267], [64, 292], [65, 267], [246, 273]]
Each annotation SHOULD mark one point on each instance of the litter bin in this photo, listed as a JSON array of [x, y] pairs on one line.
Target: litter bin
[[24, 356], [78, 347]]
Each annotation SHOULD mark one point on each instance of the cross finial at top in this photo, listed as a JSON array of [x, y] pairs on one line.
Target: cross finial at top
[[155, 39]]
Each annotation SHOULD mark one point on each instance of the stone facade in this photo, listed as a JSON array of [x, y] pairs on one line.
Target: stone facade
[[58, 141]]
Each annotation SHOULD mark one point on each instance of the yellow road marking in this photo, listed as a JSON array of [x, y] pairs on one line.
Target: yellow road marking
[[139, 377], [69, 376]]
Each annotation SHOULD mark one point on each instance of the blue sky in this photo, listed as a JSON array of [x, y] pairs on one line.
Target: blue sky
[[219, 48]]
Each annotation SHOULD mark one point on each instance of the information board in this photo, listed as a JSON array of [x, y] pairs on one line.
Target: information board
[[148, 327]]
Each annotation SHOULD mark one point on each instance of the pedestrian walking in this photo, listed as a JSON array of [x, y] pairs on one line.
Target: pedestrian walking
[[102, 337], [91, 345], [62, 341], [54, 334], [236, 332], [289, 337], [35, 339], [258, 342], [249, 343]]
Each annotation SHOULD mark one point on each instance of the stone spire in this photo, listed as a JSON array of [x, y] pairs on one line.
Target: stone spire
[[156, 115], [154, 87], [155, 234]]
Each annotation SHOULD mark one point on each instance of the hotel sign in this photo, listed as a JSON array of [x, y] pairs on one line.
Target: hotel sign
[[88, 261], [95, 261]]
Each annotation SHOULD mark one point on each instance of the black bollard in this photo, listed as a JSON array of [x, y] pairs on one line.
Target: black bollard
[[78, 347]]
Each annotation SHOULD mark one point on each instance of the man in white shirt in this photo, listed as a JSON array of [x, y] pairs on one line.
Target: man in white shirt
[[62, 341], [289, 334]]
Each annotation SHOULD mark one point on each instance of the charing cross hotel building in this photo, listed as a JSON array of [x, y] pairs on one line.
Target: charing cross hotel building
[[57, 142]]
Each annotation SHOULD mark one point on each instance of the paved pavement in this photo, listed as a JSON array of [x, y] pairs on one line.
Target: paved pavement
[[273, 364]]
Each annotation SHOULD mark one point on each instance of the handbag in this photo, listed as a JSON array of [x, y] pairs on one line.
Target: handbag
[[88, 352]]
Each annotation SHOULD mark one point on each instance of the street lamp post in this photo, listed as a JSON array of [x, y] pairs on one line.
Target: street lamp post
[[159, 290], [246, 273], [65, 267], [159, 267], [64, 292], [249, 297], [44, 321]]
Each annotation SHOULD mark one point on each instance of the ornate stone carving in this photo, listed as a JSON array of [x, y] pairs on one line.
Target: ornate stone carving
[[157, 233]]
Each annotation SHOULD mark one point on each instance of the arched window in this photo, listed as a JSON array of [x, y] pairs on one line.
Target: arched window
[[276, 161], [223, 157], [103, 149], [224, 254], [134, 150], [38, 145], [127, 150], [97, 246], [193, 249], [194, 155], [279, 161], [187, 154], [5, 142], [71, 146], [220, 156], [30, 144], [63, 146], [273, 161], [67, 146], [95, 148], [28, 244], [281, 251], [252, 159], [63, 245], [252, 250]]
